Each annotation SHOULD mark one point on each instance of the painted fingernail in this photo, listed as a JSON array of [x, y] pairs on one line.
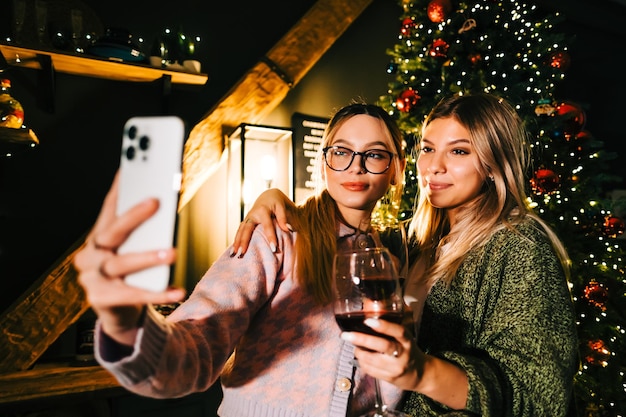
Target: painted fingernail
[[347, 336], [175, 294], [373, 323], [239, 253], [232, 252], [289, 227], [273, 247]]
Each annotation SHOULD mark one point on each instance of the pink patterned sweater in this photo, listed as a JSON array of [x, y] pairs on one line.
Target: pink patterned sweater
[[248, 322]]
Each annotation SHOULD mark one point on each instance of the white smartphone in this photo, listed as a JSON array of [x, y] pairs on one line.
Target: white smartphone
[[151, 166]]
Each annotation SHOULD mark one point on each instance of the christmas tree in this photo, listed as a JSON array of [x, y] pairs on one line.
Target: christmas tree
[[515, 50]]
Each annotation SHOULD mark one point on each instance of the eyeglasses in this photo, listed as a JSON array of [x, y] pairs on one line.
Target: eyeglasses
[[374, 161]]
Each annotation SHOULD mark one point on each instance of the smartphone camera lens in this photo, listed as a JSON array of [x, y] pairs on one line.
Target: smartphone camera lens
[[132, 132], [130, 153], [144, 143]]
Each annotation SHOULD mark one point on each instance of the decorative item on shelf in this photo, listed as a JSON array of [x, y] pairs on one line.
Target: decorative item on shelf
[[64, 25], [175, 51], [159, 52], [14, 136], [117, 44], [11, 110], [187, 45]]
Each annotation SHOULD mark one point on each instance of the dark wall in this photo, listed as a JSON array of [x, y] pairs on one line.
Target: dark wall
[[49, 197]]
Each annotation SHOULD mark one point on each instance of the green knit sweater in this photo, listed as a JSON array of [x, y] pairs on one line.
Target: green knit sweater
[[508, 320]]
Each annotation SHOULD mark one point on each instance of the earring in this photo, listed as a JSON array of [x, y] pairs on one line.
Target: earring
[[492, 178]]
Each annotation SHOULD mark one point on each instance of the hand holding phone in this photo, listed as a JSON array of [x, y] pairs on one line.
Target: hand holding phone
[[151, 167]]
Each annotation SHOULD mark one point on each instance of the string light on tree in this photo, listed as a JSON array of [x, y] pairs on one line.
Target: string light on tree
[[560, 60]]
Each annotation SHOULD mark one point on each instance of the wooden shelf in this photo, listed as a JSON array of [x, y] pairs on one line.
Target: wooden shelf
[[50, 382], [90, 66]]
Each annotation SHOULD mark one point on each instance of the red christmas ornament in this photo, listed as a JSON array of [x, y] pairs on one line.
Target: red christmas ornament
[[545, 181], [438, 10], [407, 100], [613, 226], [560, 60], [573, 118], [583, 135], [597, 353], [439, 48], [408, 25], [596, 294]]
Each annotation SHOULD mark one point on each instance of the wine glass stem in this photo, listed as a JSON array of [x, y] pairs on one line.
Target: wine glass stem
[[380, 407]]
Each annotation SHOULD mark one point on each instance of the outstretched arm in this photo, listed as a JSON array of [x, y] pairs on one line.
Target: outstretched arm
[[271, 204], [102, 270]]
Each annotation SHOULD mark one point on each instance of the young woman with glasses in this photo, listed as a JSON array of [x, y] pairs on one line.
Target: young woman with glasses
[[263, 324]]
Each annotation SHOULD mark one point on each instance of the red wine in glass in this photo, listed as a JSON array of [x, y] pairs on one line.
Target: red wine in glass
[[378, 289], [366, 286], [353, 322]]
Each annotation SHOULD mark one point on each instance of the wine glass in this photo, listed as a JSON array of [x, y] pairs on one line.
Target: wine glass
[[367, 286]]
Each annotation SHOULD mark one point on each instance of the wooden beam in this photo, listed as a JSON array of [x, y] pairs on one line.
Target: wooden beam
[[54, 382], [35, 320], [265, 86]]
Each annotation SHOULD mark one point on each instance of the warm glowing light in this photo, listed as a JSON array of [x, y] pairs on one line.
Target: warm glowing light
[[267, 168]]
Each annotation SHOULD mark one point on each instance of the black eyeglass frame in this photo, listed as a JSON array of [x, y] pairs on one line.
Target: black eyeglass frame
[[363, 158]]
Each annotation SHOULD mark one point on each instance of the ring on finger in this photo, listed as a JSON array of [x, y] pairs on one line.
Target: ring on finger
[[102, 272], [101, 247]]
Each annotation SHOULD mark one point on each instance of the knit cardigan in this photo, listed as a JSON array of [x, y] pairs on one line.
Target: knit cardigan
[[508, 321], [249, 323]]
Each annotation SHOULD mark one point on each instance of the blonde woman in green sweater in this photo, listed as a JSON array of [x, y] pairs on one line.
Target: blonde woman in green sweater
[[488, 288]]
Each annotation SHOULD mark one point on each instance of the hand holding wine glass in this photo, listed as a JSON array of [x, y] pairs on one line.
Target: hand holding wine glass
[[367, 286]]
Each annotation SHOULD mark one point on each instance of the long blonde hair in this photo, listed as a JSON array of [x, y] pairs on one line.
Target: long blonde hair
[[499, 138], [316, 218]]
